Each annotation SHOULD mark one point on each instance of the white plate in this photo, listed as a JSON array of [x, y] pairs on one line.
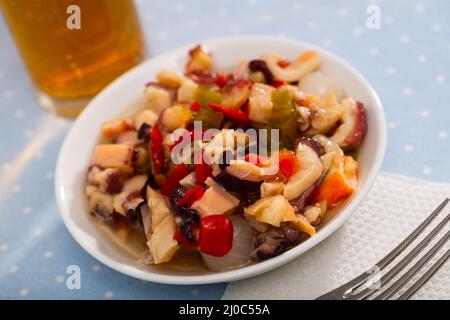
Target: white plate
[[116, 100]]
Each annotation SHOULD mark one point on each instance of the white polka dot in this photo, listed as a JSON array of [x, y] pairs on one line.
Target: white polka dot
[[48, 254], [266, 18], [49, 176], [27, 210], [109, 294], [404, 38], [388, 20], [296, 7], [24, 292], [3, 247], [311, 24], [442, 135], [18, 114], [374, 51], [407, 91], [408, 148], [8, 94], [358, 31], [342, 13], [419, 8], [235, 29], [222, 12], [179, 6], [439, 79], [427, 171], [391, 125], [37, 231], [436, 27], [390, 71], [424, 113], [422, 58], [195, 292], [327, 43], [193, 23], [13, 269], [17, 188], [59, 279], [162, 35], [96, 268], [29, 133]]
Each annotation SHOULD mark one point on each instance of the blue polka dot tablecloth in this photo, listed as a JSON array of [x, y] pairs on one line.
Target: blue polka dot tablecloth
[[407, 60]]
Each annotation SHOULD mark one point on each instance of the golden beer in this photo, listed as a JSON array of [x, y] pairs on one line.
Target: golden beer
[[74, 48]]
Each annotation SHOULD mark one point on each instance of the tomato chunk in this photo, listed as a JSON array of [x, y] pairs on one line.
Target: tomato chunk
[[216, 235], [287, 162]]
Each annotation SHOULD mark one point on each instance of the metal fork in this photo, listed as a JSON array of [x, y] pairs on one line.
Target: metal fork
[[362, 287]]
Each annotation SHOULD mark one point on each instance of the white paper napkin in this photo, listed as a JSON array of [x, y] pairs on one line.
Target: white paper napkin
[[395, 206]]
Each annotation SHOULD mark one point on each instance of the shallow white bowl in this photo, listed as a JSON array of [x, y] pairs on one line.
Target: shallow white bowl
[[126, 91]]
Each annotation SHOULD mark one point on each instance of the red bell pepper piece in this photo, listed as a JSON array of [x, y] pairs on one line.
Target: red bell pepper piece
[[202, 171], [191, 196], [173, 180], [157, 150], [196, 106], [216, 235], [221, 80], [277, 83], [287, 162], [233, 114]]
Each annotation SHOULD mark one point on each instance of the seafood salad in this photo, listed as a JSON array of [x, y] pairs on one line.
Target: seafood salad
[[229, 167]]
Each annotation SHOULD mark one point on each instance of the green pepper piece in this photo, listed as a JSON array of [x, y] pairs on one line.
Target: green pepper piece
[[205, 96], [282, 104], [209, 117]]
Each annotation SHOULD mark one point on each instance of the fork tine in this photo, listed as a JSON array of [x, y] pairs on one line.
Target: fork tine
[[399, 249], [345, 291], [396, 286], [407, 259], [413, 289]]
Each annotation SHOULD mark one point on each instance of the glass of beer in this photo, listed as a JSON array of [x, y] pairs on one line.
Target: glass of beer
[[74, 48]]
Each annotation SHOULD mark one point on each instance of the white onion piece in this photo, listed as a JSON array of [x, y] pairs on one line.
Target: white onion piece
[[318, 84], [239, 254]]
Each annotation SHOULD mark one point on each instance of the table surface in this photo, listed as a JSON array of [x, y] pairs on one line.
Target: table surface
[[406, 60]]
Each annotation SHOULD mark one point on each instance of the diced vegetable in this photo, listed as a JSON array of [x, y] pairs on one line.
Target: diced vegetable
[[339, 183], [205, 96], [216, 235], [287, 162], [208, 117], [235, 115], [191, 196], [240, 251], [202, 172], [173, 180]]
